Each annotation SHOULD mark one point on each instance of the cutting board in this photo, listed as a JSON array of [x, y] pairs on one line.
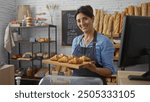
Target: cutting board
[[76, 66]]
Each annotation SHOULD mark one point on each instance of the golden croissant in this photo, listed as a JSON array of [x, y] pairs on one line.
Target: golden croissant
[[63, 59], [54, 58], [84, 58]]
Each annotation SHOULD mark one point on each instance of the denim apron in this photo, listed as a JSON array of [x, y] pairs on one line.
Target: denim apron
[[91, 53]]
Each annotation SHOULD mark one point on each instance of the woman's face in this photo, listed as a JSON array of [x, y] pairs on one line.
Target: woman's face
[[84, 22]]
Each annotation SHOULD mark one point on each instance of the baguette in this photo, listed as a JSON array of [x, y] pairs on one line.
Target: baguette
[[144, 7], [105, 23], [110, 25], [148, 10], [131, 10], [126, 11], [137, 11], [116, 24], [101, 20], [96, 20], [121, 22]]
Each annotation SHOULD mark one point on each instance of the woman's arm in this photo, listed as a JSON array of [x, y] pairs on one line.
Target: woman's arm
[[106, 72]]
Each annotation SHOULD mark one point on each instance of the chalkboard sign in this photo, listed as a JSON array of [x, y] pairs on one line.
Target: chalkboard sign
[[69, 27]]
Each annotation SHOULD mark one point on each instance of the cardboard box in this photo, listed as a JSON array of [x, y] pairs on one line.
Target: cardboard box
[[7, 75]]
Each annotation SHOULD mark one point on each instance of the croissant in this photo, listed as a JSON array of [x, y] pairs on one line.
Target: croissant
[[60, 55], [63, 59], [70, 57], [75, 61], [84, 58], [54, 58]]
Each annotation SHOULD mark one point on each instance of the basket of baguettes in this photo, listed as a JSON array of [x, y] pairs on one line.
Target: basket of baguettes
[[68, 61]]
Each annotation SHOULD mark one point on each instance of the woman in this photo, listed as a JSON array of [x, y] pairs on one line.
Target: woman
[[93, 45]]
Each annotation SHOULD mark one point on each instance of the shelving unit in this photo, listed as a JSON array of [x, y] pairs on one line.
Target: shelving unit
[[33, 50]]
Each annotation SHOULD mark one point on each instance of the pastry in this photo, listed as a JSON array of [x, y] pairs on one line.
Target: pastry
[[85, 59], [45, 55], [54, 58], [63, 59], [41, 40], [60, 55], [70, 57], [75, 61]]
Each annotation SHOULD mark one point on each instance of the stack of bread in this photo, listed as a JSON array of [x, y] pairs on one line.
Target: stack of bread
[[29, 21]]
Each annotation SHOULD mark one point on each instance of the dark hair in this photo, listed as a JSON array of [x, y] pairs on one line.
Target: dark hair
[[87, 10]]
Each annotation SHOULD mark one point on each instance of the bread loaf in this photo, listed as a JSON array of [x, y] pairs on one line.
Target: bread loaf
[[96, 19], [137, 11], [148, 10], [126, 11], [144, 8], [131, 10], [101, 20], [110, 25], [116, 24], [121, 22], [105, 23]]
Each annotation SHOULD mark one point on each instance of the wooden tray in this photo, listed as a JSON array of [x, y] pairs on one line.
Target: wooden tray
[[76, 66]]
